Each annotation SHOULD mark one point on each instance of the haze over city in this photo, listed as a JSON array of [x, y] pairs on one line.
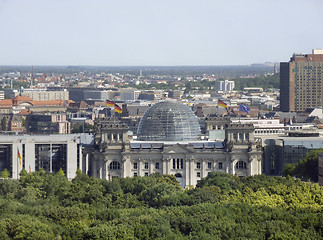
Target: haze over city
[[164, 33]]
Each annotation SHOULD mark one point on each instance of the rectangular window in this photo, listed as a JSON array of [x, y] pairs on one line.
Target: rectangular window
[[209, 165], [241, 136], [146, 174], [198, 174], [115, 137], [157, 165], [178, 163], [135, 165], [220, 165], [146, 165], [235, 137], [135, 174], [198, 165]]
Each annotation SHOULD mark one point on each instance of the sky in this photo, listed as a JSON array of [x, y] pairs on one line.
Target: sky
[[157, 32]]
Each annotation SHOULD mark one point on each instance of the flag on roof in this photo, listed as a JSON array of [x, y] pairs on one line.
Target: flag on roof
[[222, 104], [117, 109], [243, 108], [110, 104]]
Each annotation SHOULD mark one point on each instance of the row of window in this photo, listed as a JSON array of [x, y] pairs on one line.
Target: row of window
[[241, 136], [239, 165], [177, 164], [267, 131], [146, 165]]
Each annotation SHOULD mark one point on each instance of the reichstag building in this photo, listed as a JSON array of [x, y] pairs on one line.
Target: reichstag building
[[168, 142]]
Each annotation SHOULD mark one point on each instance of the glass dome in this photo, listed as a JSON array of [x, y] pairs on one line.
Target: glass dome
[[168, 121]]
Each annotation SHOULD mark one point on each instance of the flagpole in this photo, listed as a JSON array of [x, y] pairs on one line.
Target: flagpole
[[17, 162]]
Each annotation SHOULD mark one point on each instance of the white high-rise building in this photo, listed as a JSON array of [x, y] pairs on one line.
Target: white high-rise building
[[225, 85]]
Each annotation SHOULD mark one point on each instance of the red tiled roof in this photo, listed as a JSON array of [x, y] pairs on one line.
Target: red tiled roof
[[23, 98]]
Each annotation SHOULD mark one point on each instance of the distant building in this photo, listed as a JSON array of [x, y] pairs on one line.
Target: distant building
[[128, 94], [38, 94], [176, 94], [225, 85], [1, 95], [20, 103], [301, 82], [47, 124], [100, 95], [253, 89], [44, 95]]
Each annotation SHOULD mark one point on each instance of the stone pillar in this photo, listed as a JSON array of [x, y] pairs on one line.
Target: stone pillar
[[186, 173], [232, 166], [100, 168], [139, 167], [87, 164], [203, 169], [250, 166], [106, 170], [123, 167], [192, 175], [164, 165], [259, 166], [168, 165], [151, 166], [226, 164]]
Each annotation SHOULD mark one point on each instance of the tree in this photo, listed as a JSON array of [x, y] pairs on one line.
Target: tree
[[23, 173], [5, 174], [61, 172]]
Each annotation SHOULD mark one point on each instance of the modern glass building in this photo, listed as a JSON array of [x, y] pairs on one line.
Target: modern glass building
[[168, 121]]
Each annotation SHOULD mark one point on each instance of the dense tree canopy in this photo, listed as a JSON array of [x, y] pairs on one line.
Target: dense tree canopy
[[265, 82], [47, 206]]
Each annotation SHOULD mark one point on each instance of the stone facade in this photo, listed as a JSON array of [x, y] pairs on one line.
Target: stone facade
[[115, 155]]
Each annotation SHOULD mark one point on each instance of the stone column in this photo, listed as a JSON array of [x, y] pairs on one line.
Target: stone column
[[203, 169], [249, 167], [151, 166], [87, 164], [164, 165], [232, 163], [193, 180], [187, 177], [139, 167], [168, 165]]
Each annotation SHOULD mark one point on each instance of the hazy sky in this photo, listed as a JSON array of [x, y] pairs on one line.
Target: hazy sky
[[157, 32]]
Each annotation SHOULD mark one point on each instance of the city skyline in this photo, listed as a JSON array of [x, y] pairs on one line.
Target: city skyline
[[149, 33]]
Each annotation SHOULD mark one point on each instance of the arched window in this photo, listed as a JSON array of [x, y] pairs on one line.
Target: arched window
[[114, 165], [241, 165]]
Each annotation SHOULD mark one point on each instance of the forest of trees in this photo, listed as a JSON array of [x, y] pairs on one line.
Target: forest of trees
[[48, 206], [265, 82]]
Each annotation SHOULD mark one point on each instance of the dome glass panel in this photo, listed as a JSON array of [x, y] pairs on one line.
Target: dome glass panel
[[168, 121]]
